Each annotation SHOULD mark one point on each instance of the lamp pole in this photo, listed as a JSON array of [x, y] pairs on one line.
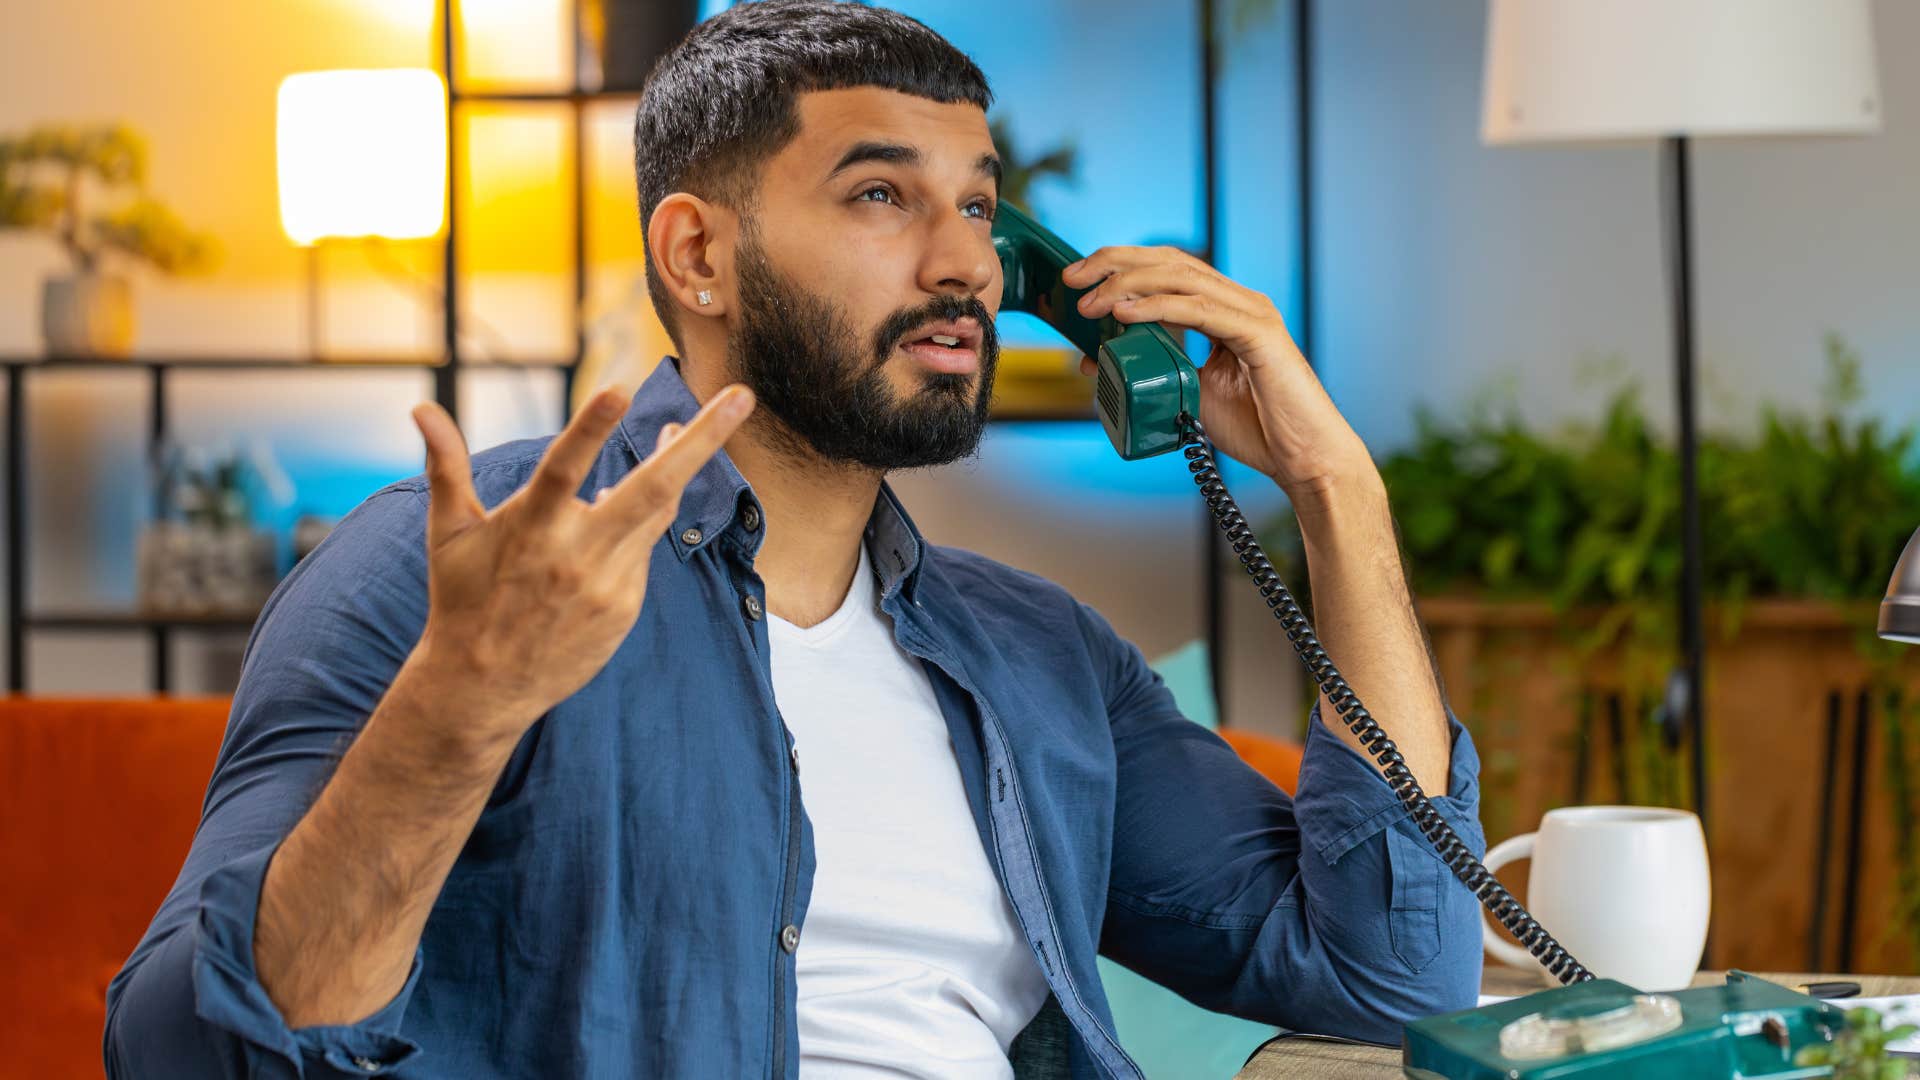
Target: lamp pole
[[1686, 688]]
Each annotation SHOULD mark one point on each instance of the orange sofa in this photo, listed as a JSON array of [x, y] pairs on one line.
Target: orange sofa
[[98, 803]]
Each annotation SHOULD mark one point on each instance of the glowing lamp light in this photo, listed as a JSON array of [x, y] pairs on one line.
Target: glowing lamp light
[[362, 153]]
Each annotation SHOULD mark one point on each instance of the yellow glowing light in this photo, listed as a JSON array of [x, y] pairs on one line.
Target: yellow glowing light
[[363, 153]]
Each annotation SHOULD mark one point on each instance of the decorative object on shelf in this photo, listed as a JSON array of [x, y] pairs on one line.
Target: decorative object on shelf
[[204, 556], [620, 40], [1560, 71], [362, 153], [46, 177]]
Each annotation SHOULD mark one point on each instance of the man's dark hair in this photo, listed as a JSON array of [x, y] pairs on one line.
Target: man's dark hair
[[722, 101]]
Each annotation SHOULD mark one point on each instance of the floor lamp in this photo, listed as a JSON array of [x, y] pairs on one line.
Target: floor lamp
[[1566, 71], [1900, 611]]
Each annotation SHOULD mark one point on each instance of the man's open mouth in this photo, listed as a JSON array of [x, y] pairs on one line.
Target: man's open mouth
[[947, 347]]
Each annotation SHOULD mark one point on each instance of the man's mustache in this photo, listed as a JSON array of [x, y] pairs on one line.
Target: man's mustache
[[944, 308]]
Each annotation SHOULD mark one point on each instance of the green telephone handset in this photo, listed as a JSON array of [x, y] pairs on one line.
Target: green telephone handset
[[1144, 384], [1147, 395]]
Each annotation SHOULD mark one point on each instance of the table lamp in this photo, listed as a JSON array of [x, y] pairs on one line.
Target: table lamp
[[362, 153], [1900, 611], [1584, 71]]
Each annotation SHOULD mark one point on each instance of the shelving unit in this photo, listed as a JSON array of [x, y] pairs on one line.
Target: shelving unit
[[445, 370]]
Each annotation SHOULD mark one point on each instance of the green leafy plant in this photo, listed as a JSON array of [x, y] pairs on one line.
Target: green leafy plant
[[1859, 1052], [1811, 506], [48, 178]]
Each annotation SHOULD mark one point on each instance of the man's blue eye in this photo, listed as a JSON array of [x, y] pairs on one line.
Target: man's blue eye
[[986, 210], [862, 197]]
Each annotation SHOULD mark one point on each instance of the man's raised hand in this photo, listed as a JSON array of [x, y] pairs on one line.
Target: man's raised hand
[[528, 601]]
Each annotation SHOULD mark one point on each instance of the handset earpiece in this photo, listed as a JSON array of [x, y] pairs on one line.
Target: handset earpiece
[[1144, 384]]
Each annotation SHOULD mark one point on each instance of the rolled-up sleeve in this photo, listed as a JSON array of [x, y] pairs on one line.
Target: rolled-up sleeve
[[189, 1002], [1322, 911]]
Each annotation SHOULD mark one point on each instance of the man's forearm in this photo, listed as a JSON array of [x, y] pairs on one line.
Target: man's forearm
[[1364, 614], [347, 893]]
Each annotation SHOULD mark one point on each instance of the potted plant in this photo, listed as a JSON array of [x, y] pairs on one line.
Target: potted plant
[[49, 180]]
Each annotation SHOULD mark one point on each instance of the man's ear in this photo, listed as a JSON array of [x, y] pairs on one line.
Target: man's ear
[[690, 241]]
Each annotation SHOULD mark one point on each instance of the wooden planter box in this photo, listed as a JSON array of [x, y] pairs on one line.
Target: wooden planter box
[[1542, 717]]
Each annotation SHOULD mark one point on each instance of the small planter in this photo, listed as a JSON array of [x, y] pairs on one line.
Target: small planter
[[87, 315], [199, 569]]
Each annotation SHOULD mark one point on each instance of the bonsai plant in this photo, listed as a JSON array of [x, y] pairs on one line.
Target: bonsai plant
[[49, 179]]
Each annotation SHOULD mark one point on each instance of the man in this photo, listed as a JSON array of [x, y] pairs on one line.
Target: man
[[667, 747]]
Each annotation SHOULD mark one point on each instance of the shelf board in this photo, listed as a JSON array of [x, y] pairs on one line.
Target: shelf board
[[547, 97], [136, 620]]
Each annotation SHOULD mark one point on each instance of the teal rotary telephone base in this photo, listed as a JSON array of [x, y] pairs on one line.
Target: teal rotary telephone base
[[1605, 1030]]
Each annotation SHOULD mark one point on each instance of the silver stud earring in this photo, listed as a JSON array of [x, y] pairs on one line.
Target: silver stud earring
[[705, 297]]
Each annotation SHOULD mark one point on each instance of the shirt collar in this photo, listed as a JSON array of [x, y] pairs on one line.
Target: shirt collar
[[717, 497]]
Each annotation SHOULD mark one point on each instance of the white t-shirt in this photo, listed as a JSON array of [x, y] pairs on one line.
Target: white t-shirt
[[910, 961]]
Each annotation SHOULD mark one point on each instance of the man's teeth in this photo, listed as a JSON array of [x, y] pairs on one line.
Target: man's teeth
[[945, 339]]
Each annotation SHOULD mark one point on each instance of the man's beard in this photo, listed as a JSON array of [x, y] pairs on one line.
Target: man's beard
[[829, 392]]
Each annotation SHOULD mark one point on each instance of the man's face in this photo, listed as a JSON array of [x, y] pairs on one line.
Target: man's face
[[868, 282]]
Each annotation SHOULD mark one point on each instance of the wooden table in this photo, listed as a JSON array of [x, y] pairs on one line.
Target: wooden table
[[1337, 1061]]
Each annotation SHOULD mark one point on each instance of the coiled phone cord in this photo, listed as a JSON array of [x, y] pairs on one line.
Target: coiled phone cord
[[1453, 850]]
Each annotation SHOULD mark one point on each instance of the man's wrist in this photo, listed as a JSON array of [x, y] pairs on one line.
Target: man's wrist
[[444, 713], [1341, 504]]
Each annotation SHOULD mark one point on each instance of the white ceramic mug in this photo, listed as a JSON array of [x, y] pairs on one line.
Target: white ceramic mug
[[1624, 888]]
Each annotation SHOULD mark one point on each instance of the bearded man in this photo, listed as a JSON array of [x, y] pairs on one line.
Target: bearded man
[[668, 747]]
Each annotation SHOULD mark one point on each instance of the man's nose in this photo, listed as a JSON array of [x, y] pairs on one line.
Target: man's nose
[[960, 256]]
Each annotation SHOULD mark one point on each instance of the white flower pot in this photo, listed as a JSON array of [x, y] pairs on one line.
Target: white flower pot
[[87, 315]]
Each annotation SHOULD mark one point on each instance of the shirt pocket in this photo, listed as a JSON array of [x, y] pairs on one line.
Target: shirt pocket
[[1414, 917]]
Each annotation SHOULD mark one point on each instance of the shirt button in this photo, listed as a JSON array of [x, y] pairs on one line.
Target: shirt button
[[750, 517], [752, 604], [366, 1064], [691, 537], [790, 937]]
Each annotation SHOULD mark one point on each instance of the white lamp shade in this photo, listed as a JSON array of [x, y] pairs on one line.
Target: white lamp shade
[[362, 153], [1622, 69]]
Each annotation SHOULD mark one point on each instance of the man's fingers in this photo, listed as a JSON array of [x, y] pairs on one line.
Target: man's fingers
[[679, 454], [452, 502], [572, 453], [1117, 257]]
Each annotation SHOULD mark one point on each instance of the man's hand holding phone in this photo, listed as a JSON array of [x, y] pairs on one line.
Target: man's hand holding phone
[[1263, 406], [1259, 399], [528, 601]]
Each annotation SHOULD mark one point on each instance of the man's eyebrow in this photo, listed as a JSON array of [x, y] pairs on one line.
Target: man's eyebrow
[[989, 164], [893, 153], [898, 154]]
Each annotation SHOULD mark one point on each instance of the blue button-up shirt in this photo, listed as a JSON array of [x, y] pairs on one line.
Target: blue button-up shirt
[[621, 906]]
